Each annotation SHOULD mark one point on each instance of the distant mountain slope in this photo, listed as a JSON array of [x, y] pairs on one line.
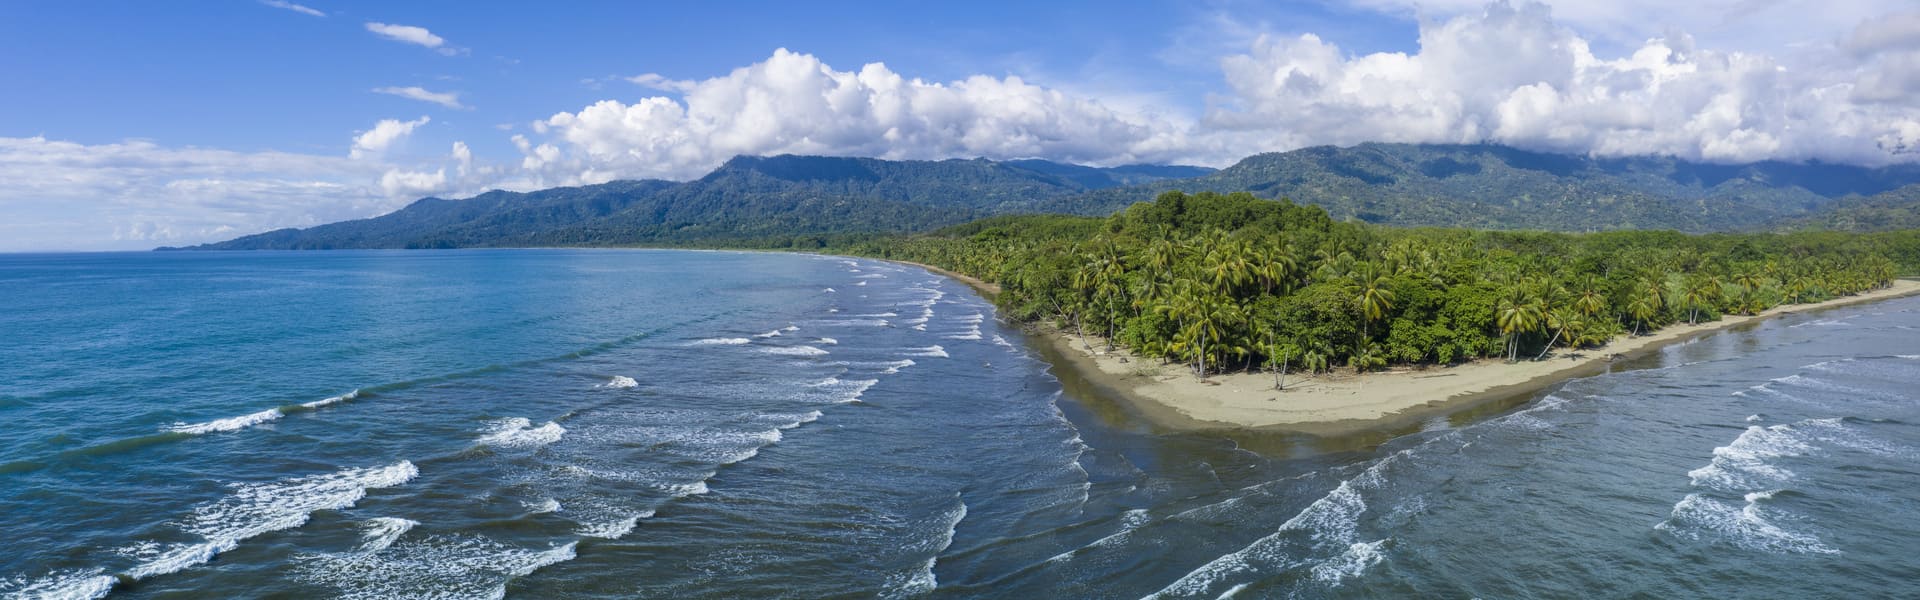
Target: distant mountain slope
[[761, 199], [1886, 211], [1497, 187], [794, 200]]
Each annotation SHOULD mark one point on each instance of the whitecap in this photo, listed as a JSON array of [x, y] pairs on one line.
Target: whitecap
[[518, 432], [258, 508], [1696, 516], [621, 382], [790, 328], [227, 424], [1744, 463], [75, 584], [774, 333], [830, 290], [794, 350], [721, 342], [333, 400], [612, 530], [1351, 563], [920, 581], [827, 341], [933, 351], [544, 506], [381, 532], [435, 567]]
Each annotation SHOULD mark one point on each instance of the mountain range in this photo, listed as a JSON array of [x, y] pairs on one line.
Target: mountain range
[[797, 201]]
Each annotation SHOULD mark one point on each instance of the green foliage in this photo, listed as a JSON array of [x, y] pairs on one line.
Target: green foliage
[[1224, 282]]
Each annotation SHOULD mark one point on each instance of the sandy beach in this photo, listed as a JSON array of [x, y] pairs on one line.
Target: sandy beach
[[1340, 403]]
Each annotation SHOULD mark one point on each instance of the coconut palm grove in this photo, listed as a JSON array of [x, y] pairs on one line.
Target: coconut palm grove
[[1231, 282]]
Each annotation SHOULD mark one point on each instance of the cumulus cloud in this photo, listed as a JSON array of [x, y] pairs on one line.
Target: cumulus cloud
[[387, 132], [1515, 76], [418, 36], [137, 194], [794, 103], [283, 4], [447, 99]]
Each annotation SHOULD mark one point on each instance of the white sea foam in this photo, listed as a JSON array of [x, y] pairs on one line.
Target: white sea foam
[[621, 382], [790, 328], [436, 567], [896, 366], [1129, 521], [794, 351], [1696, 516], [826, 341], [1351, 563], [518, 432], [920, 327], [721, 342], [257, 508], [1744, 463], [544, 506], [333, 400], [381, 532], [1331, 522], [860, 284], [1002, 342], [872, 276], [61, 585], [614, 529], [830, 290], [227, 424], [682, 490], [920, 581], [932, 351], [884, 315], [770, 334]]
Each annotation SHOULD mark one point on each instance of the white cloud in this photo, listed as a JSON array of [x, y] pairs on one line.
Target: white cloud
[[447, 99], [1769, 26], [414, 35], [137, 194], [1515, 76], [283, 4], [374, 142], [794, 103], [657, 82]]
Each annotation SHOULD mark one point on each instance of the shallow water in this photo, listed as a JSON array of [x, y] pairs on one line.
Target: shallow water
[[696, 424]]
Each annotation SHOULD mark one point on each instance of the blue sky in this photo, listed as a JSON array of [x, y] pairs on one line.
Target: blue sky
[[128, 125]]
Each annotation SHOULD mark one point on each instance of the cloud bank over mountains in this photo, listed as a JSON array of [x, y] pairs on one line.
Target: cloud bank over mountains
[[1497, 73]]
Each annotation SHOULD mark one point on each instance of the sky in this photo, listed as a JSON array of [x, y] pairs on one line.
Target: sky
[[128, 125]]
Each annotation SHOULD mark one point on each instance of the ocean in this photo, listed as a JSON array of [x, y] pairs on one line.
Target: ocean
[[640, 423]]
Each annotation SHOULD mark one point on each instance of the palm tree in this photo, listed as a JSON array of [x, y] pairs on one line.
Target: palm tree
[[1591, 301], [1372, 296], [1274, 265], [1516, 314], [1698, 294], [1560, 320], [1641, 308]]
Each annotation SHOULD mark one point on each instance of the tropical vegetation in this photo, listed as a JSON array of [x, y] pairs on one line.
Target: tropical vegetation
[[1234, 283]]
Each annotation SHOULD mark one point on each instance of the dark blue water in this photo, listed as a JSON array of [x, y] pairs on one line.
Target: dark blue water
[[691, 424]]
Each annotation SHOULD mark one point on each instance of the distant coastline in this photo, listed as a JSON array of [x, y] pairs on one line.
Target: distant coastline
[[1341, 404]]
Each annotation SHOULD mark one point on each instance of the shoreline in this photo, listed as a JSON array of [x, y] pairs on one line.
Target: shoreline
[[1345, 404]]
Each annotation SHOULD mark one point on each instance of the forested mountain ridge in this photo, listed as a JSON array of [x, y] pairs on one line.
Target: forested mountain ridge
[[804, 201], [1498, 187], [1886, 211], [776, 200]]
